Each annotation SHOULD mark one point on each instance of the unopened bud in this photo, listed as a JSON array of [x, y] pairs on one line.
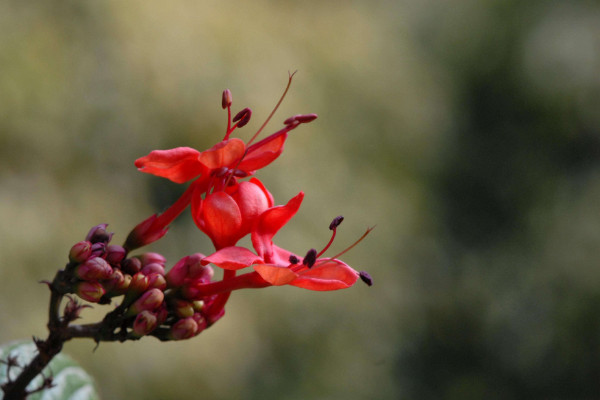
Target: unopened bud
[[184, 329], [145, 322], [99, 234], [90, 291], [198, 305], [149, 301], [151, 258], [157, 281], [148, 231], [201, 321], [139, 283], [243, 116], [98, 249], [178, 274], [183, 308], [117, 283], [115, 254], [94, 269], [131, 265], [80, 251], [153, 268]]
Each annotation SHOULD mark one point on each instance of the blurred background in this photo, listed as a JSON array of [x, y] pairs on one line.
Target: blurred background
[[468, 132]]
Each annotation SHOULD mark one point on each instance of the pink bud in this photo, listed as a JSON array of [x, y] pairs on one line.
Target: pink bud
[[131, 265], [116, 284], [178, 274], [80, 251], [183, 308], [139, 283], [149, 301], [98, 234], [157, 281], [90, 291], [153, 268], [146, 232], [94, 269], [115, 254], [145, 322], [184, 329], [201, 321], [150, 258]]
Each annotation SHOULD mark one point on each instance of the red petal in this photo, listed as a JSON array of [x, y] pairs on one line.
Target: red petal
[[252, 202], [264, 152], [329, 275], [275, 275], [224, 154], [219, 217], [269, 222], [179, 164], [233, 258]]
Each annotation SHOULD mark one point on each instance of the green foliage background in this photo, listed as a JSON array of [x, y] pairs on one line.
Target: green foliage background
[[467, 131]]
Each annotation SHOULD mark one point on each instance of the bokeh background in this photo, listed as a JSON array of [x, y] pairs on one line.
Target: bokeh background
[[467, 131]]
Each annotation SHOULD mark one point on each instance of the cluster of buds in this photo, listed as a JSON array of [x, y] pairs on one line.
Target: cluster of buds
[[227, 203]]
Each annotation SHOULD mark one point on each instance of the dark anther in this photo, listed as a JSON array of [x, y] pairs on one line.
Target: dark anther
[[243, 116], [239, 173], [336, 222], [294, 259], [291, 120], [366, 278], [227, 99], [310, 258], [219, 172], [305, 118]]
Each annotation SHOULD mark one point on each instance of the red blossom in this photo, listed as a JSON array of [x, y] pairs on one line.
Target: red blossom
[[274, 266], [214, 172]]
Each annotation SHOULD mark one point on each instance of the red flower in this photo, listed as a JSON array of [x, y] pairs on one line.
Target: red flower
[[215, 170], [274, 266]]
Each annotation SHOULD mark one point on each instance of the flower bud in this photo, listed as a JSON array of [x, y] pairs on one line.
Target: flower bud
[[98, 249], [94, 269], [184, 329], [115, 254], [116, 284], [201, 321], [80, 251], [145, 322], [149, 301], [149, 230], [179, 273], [139, 283], [198, 305], [98, 234], [183, 309], [131, 265], [90, 291], [153, 268], [157, 281], [151, 258]]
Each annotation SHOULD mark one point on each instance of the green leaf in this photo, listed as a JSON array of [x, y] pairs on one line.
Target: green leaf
[[70, 380]]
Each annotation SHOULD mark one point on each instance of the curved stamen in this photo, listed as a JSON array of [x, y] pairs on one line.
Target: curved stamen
[[274, 109]]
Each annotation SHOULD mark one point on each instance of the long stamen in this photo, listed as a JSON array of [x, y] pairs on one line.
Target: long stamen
[[333, 226], [348, 248], [274, 109]]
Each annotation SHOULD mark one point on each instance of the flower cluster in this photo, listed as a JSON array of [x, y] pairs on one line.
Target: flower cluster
[[227, 203]]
